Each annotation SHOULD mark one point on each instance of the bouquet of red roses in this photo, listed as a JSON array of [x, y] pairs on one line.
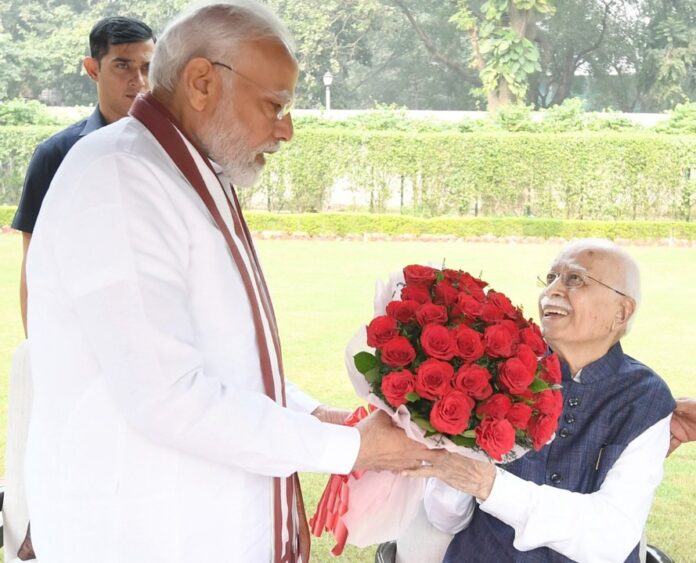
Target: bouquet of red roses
[[465, 363], [456, 366]]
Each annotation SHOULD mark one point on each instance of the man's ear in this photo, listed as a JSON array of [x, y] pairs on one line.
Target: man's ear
[[626, 309], [201, 84], [91, 66]]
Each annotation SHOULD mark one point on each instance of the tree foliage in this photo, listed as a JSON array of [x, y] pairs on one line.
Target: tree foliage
[[632, 55]]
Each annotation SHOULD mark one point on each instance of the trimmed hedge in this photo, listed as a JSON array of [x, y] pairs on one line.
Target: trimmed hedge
[[342, 224], [7, 214], [17, 144], [345, 224], [582, 175], [606, 176]]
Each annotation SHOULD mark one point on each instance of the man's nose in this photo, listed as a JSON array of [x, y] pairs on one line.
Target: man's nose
[[556, 287], [140, 79], [284, 129]]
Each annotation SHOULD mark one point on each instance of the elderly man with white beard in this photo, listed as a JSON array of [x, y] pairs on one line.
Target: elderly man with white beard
[[163, 426], [586, 495]]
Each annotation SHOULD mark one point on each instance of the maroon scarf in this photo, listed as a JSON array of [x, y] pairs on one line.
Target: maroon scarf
[[164, 127]]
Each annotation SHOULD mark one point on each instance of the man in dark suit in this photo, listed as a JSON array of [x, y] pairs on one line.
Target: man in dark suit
[[120, 53]]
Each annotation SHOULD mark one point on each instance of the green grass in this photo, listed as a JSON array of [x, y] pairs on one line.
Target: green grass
[[323, 292]]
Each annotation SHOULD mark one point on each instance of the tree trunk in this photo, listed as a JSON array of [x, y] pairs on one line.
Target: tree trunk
[[566, 81], [523, 23]]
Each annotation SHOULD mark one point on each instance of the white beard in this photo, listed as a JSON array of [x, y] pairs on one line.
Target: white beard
[[225, 144]]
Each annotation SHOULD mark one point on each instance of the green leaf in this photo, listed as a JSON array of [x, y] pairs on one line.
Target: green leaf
[[412, 397], [424, 424], [469, 433], [463, 441], [372, 375], [538, 385], [529, 68], [364, 362]]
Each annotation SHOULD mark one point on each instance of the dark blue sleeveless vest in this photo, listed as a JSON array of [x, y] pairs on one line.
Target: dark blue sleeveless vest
[[616, 401]]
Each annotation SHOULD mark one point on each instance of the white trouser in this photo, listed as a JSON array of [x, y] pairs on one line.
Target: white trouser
[[14, 510], [422, 542]]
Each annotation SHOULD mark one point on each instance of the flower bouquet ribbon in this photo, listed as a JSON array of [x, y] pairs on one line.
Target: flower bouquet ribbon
[[456, 366]]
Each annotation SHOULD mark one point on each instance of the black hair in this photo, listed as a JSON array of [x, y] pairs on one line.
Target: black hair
[[116, 30]]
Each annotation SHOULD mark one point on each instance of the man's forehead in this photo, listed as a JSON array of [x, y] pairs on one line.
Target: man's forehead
[[584, 258], [261, 56], [131, 51]]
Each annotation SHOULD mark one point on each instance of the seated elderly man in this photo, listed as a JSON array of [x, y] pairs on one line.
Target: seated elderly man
[[586, 495]]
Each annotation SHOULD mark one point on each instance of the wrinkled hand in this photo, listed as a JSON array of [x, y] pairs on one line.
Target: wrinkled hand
[[468, 475], [683, 424], [330, 414], [384, 446]]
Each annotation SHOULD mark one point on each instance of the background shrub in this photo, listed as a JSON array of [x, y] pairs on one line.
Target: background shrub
[[17, 144], [24, 112], [566, 165]]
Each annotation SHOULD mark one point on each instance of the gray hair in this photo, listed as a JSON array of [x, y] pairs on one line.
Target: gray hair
[[212, 31], [630, 284]]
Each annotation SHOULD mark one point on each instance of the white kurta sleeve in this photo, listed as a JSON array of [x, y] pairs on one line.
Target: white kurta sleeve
[[448, 509], [123, 253], [598, 527], [299, 400]]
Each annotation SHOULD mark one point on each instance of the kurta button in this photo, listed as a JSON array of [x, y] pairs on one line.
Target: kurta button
[[570, 418], [564, 433], [573, 402], [555, 478]]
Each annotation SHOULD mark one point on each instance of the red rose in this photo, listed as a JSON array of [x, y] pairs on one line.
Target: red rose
[[468, 343], [437, 342], [381, 330], [450, 414], [433, 379], [452, 275], [540, 429], [549, 402], [469, 306], [519, 415], [551, 369], [403, 311], [497, 406], [445, 293], [491, 313], [398, 352], [501, 301], [514, 375], [531, 336], [528, 357], [511, 327], [496, 437], [431, 313], [474, 380], [423, 276], [396, 385], [415, 293], [498, 341], [472, 286]]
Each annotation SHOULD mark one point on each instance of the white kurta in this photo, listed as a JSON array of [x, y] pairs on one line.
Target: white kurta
[[151, 438]]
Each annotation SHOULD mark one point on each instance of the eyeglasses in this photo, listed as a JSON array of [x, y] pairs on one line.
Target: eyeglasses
[[574, 279], [282, 110]]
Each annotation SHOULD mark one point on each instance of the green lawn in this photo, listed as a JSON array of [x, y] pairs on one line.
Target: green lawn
[[323, 291]]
